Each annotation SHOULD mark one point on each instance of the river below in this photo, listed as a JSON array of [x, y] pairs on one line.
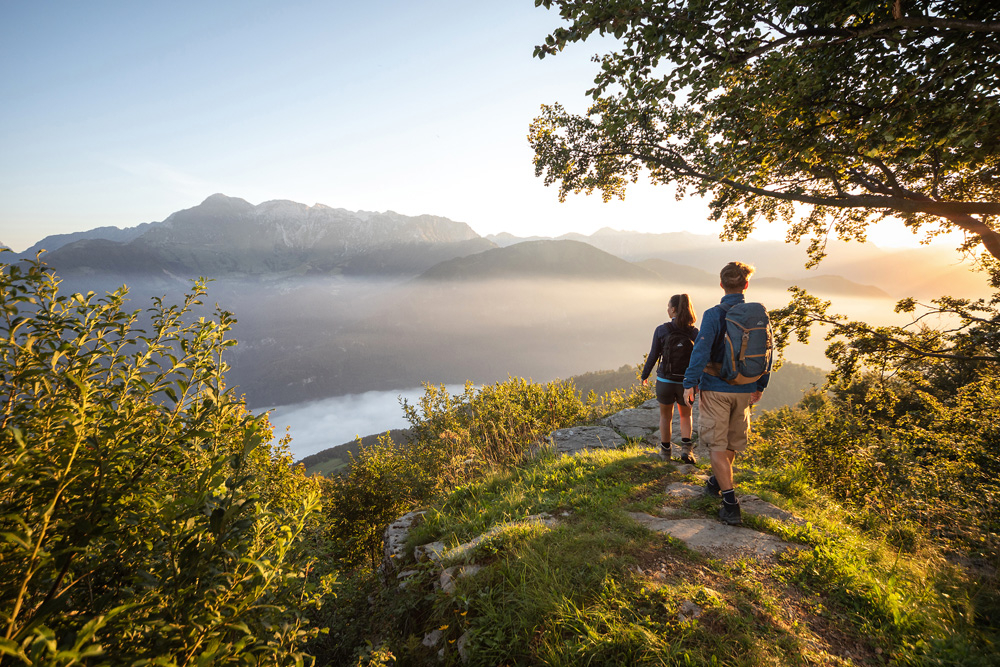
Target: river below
[[321, 424]]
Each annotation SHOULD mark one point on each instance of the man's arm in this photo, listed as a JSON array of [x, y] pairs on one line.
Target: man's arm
[[761, 386], [702, 351]]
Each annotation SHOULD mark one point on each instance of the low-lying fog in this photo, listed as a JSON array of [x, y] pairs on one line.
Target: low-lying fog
[[318, 425], [303, 340], [312, 341]]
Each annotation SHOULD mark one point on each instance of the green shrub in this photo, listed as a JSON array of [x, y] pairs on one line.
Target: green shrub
[[453, 439], [144, 518], [901, 453]]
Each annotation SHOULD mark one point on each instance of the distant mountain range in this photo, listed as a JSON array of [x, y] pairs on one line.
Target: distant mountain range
[[229, 237], [565, 259], [924, 272], [226, 236], [56, 241], [333, 302]]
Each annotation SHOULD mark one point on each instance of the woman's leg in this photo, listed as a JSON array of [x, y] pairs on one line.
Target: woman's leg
[[666, 417], [684, 411], [686, 427]]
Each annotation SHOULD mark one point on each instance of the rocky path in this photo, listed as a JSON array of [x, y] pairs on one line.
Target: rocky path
[[679, 518], [636, 424], [705, 535], [709, 536]]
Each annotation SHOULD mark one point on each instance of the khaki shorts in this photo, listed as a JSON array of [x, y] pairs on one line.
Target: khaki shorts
[[724, 420]]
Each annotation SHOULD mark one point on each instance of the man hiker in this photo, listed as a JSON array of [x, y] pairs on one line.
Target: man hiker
[[726, 394]]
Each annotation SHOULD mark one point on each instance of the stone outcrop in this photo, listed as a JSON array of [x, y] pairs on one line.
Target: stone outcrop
[[577, 438], [394, 542], [641, 423], [635, 423], [713, 538], [702, 534]]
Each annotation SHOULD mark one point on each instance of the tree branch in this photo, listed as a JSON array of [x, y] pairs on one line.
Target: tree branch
[[959, 213], [847, 34], [913, 204], [885, 338]]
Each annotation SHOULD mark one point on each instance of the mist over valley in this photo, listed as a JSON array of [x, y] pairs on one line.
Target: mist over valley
[[336, 303]]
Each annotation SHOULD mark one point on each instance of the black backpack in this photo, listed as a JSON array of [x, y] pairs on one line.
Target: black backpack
[[675, 354]]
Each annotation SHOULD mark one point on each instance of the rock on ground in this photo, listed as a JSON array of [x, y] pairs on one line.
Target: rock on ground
[[394, 541], [635, 422], [572, 440], [713, 538]]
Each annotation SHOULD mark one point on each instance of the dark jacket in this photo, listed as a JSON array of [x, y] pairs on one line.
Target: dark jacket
[[656, 349]]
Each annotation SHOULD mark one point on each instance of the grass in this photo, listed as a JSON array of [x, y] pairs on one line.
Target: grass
[[596, 588]]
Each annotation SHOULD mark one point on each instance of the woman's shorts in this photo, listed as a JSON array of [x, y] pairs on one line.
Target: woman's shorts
[[668, 393]]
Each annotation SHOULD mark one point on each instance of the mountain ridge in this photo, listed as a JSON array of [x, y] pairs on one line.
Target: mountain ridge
[[227, 235], [542, 258]]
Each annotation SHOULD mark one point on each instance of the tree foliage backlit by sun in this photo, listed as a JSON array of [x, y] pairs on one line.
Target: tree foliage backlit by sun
[[853, 110], [830, 116]]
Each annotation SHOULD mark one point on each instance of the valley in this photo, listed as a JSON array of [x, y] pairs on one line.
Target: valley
[[332, 302]]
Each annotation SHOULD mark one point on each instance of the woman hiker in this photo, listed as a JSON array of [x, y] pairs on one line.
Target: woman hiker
[[672, 345]]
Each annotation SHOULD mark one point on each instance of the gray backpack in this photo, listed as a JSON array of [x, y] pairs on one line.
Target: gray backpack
[[745, 344]]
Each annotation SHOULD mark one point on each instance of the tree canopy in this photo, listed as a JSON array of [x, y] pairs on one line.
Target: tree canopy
[[830, 115]]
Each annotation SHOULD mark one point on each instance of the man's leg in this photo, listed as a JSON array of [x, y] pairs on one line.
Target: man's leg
[[722, 468], [713, 427], [736, 437]]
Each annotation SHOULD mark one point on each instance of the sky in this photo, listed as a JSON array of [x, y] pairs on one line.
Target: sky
[[119, 113]]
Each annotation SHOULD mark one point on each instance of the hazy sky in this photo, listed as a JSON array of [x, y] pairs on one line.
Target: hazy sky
[[117, 113]]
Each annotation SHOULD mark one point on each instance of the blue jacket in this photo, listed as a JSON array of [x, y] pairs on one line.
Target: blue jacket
[[695, 376]]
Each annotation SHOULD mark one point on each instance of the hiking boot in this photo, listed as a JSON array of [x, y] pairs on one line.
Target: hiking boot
[[665, 451], [688, 457], [730, 514], [712, 488]]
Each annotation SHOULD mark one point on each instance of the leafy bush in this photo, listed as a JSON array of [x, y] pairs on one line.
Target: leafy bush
[[900, 452], [452, 440], [144, 518]]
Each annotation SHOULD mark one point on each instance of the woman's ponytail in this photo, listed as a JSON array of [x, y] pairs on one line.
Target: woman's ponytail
[[683, 310]]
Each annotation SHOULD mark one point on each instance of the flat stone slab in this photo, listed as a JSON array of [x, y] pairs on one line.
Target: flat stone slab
[[754, 505], [586, 437], [685, 491], [634, 422], [713, 538]]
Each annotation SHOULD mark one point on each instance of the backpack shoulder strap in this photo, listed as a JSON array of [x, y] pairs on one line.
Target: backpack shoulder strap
[[720, 337]]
